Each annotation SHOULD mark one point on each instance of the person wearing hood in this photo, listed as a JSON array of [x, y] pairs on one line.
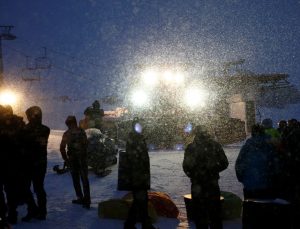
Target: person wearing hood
[[35, 140], [204, 159], [73, 148], [256, 165], [138, 177], [11, 127]]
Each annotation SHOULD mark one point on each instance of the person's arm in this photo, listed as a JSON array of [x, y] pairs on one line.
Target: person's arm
[[222, 161], [63, 146], [241, 163], [188, 162]]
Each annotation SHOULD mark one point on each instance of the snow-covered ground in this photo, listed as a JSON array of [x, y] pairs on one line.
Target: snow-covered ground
[[166, 176]]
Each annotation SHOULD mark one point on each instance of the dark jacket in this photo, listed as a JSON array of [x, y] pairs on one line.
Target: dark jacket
[[35, 140], [204, 160], [10, 137], [75, 140], [256, 164], [134, 167]]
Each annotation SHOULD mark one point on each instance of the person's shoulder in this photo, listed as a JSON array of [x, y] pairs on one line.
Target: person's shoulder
[[45, 127], [190, 147]]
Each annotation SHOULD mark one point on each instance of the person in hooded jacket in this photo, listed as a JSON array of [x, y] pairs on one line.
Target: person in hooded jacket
[[291, 141], [204, 159], [257, 165], [11, 127], [75, 141], [138, 177], [35, 140]]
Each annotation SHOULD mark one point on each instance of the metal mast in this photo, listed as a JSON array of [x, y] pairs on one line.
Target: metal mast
[[4, 35]]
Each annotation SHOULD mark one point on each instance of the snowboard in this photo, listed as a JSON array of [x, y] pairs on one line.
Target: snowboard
[[103, 173]]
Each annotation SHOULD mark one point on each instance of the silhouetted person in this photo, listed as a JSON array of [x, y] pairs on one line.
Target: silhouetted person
[[3, 207], [282, 125], [73, 148], [273, 133], [10, 131], [138, 175], [203, 160], [291, 141], [35, 139], [94, 115], [256, 165]]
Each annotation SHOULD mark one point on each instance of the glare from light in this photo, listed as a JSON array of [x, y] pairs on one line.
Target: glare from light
[[150, 77], [188, 128], [8, 98], [168, 76], [139, 98], [179, 78], [138, 128], [195, 97]]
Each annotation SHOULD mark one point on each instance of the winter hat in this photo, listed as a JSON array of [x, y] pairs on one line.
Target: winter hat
[[267, 123], [71, 120], [201, 130]]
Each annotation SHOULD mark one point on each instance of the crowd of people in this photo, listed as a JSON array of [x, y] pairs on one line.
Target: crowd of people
[[268, 166], [23, 161]]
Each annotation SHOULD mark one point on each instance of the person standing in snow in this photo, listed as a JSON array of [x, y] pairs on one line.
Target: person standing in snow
[[204, 159], [35, 139], [138, 177], [75, 141], [94, 115], [11, 127], [256, 165], [291, 143]]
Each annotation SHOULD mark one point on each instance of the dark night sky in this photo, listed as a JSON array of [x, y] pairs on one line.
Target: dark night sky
[[94, 46]]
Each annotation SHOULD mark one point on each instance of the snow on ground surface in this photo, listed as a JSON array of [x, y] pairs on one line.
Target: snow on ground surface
[[166, 176]]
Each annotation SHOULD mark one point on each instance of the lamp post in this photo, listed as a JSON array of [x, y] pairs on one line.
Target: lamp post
[[4, 35]]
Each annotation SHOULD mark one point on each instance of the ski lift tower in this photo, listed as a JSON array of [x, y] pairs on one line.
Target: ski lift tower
[[4, 35]]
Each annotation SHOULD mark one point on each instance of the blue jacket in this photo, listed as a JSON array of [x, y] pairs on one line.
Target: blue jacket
[[256, 165]]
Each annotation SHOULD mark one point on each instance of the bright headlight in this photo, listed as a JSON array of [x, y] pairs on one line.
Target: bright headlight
[[8, 98], [139, 98], [179, 78], [196, 97], [150, 77], [168, 76]]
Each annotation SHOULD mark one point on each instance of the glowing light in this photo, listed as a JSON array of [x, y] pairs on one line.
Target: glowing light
[[138, 128], [195, 97], [139, 98], [168, 76], [179, 78], [150, 77], [188, 128], [8, 98]]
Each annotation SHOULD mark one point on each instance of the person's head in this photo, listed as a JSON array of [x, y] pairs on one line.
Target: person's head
[[96, 104], [2, 110], [257, 130], [200, 133], [282, 124], [267, 123], [8, 110], [71, 121], [292, 123], [34, 114]]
